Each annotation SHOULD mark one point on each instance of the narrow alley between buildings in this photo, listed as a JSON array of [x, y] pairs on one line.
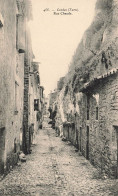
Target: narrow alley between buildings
[[55, 168], [58, 98]]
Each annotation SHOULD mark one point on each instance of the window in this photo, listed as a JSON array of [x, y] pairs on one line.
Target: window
[[15, 150], [41, 91], [97, 112], [36, 104]]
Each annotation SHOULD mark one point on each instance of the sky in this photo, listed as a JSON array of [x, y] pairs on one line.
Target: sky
[[56, 35]]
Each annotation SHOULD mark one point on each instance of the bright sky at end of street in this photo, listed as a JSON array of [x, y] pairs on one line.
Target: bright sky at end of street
[[55, 37]]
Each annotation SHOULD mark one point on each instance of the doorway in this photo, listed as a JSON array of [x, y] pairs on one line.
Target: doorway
[[77, 143], [116, 141], [87, 143], [2, 148], [80, 140]]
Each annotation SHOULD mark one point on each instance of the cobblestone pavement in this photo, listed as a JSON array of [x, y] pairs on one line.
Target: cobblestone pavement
[[55, 169]]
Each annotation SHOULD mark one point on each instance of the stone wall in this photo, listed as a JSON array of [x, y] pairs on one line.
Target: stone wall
[[94, 129], [28, 58], [86, 104], [108, 118], [11, 86], [16, 124], [34, 94], [102, 134]]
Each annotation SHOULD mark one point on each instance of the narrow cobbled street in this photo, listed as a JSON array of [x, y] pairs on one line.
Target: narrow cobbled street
[[58, 98], [55, 168]]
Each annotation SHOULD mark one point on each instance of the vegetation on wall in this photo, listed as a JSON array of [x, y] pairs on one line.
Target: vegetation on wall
[[93, 53], [90, 45]]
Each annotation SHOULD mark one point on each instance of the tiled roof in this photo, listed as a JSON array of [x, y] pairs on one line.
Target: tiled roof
[[92, 82]]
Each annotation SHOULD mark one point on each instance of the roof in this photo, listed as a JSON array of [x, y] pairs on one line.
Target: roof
[[97, 79]]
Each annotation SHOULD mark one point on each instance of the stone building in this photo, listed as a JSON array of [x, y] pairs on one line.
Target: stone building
[[52, 107], [100, 125], [12, 82], [35, 105], [33, 96], [90, 118], [42, 105], [87, 105], [16, 86]]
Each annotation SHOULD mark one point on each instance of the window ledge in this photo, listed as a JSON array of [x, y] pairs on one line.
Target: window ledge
[[21, 50]]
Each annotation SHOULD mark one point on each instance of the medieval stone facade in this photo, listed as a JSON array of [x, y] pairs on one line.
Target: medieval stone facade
[[16, 86], [12, 76], [90, 122], [87, 104]]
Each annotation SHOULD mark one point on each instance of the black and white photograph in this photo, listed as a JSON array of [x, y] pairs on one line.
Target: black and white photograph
[[58, 97]]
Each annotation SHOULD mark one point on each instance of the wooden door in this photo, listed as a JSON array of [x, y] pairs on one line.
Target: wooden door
[[80, 139], [77, 142], [116, 144], [117, 151], [2, 148], [87, 143]]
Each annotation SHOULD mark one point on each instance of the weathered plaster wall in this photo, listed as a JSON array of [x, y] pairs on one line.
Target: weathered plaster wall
[[12, 72]]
